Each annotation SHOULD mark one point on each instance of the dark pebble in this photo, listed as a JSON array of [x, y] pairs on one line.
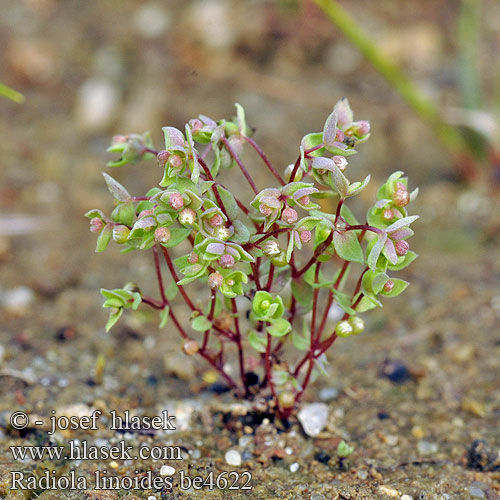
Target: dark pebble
[[382, 415], [251, 379], [218, 388], [481, 457], [322, 456], [396, 371]]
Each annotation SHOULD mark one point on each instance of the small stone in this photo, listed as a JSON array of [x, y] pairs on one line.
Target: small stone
[[151, 497], [17, 300], [362, 474], [233, 457], [113, 465], [427, 448], [476, 492], [406, 497], [313, 418], [151, 20], [388, 491], [166, 470], [391, 440], [328, 393], [96, 104], [294, 467], [396, 371]]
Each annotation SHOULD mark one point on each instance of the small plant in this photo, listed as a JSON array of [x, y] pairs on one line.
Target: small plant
[[267, 268]]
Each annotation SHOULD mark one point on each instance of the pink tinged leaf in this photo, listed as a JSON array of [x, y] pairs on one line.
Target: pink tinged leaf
[[116, 189], [322, 163], [208, 121], [145, 223], [271, 202], [375, 252], [405, 221], [304, 192], [215, 248], [339, 181], [344, 113], [401, 234], [390, 252], [173, 137], [382, 203], [330, 129]]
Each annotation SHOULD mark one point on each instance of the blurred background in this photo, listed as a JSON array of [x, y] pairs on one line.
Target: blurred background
[[89, 70]]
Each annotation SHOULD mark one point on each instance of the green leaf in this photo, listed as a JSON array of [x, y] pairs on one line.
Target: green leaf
[[116, 189], [241, 232], [201, 324], [339, 181], [229, 203], [279, 327], [124, 213], [104, 238], [11, 94], [347, 246], [171, 291], [299, 342], [403, 262], [242, 126], [302, 292], [95, 213], [348, 216], [356, 187], [343, 301], [257, 341], [114, 316], [375, 251], [164, 316]]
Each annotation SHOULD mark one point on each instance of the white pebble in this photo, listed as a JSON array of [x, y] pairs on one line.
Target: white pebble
[[233, 457], [313, 418], [166, 470], [96, 104], [151, 20], [406, 497], [17, 300], [151, 497], [294, 467]]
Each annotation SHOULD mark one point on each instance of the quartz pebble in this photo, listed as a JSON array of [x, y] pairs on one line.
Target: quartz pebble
[[476, 492], [233, 457], [294, 467], [17, 300], [166, 470], [427, 448], [406, 497], [328, 393], [313, 418]]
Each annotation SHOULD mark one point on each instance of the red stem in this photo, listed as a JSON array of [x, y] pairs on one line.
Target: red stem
[[266, 160], [243, 169]]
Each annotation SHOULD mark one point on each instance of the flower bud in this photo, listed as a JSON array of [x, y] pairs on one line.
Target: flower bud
[[216, 220], [162, 157], [265, 210], [226, 261], [286, 399], [187, 217], [265, 305], [343, 329], [215, 280], [340, 161], [193, 258], [389, 285], [96, 225], [339, 136], [162, 235], [196, 125], [271, 248], [401, 247], [120, 234], [305, 236], [224, 321], [357, 324], [279, 260], [176, 201], [190, 347], [289, 215]]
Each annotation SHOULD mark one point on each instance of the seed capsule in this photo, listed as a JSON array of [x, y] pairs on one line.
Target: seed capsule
[[357, 324], [289, 215], [387, 214], [226, 261], [96, 225], [120, 234], [190, 347], [305, 236], [216, 220], [286, 399], [215, 280], [271, 248], [343, 329], [162, 235], [176, 201], [162, 158], [389, 285], [193, 258], [265, 210], [401, 247]]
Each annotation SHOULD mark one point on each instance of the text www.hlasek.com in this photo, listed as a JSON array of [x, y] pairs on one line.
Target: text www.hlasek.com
[[81, 450]]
